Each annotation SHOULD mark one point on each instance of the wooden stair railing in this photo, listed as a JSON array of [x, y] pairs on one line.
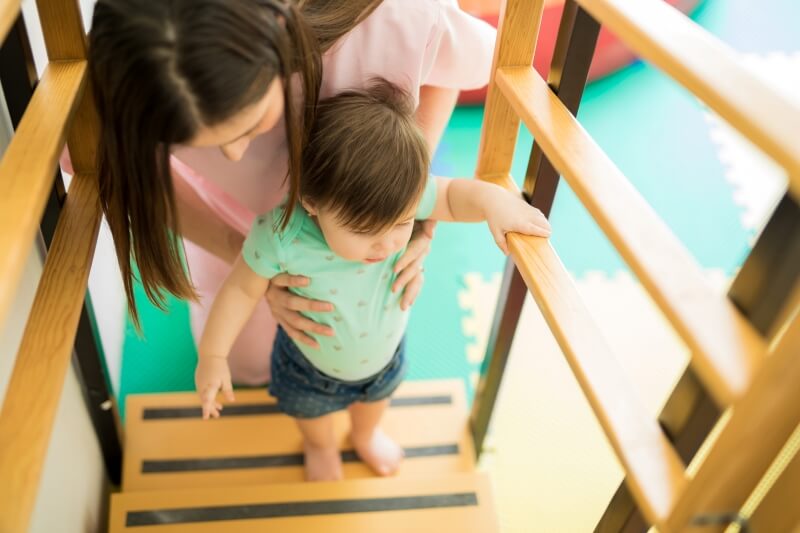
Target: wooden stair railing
[[61, 109], [726, 348], [750, 376], [655, 472], [709, 69], [27, 168]]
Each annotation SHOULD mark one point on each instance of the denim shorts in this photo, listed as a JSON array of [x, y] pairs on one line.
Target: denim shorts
[[303, 391]]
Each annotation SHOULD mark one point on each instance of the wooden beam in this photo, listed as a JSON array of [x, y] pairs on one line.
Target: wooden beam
[[726, 349], [712, 71], [9, 11], [34, 390], [778, 509], [65, 39], [654, 472], [517, 32], [760, 424], [768, 284], [28, 166]]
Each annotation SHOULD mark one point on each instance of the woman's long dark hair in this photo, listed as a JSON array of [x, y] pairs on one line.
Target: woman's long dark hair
[[161, 70]]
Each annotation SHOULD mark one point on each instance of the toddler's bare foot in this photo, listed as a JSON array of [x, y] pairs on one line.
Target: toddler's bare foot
[[322, 463], [381, 453]]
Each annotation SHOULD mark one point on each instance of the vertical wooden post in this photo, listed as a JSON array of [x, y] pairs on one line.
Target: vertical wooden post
[[568, 73], [517, 33]]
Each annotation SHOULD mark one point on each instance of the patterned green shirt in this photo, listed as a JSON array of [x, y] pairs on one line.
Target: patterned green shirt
[[367, 320]]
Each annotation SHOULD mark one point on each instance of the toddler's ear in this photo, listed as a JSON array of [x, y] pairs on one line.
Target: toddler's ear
[[309, 207]]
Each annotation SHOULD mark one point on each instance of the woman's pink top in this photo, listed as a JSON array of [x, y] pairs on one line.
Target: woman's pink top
[[409, 42]]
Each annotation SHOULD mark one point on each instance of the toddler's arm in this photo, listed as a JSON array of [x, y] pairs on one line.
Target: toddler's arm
[[472, 200], [230, 311]]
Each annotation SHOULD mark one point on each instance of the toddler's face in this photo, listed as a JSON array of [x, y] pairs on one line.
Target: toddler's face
[[364, 247]]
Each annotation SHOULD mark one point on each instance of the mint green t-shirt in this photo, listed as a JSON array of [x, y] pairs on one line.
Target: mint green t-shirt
[[367, 320]]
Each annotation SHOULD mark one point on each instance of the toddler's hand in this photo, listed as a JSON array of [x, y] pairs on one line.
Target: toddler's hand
[[211, 375], [507, 212]]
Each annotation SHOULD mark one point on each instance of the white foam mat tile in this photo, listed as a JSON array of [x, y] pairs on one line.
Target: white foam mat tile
[[757, 181]]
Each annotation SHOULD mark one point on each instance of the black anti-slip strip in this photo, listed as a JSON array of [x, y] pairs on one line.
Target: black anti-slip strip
[[282, 510], [164, 413], [271, 461]]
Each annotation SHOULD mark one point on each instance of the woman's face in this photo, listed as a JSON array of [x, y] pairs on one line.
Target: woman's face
[[234, 135]]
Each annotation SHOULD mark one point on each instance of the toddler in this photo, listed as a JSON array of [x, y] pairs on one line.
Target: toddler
[[365, 179]]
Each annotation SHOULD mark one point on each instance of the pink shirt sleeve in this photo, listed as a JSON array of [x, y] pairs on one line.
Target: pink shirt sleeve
[[460, 50], [412, 43]]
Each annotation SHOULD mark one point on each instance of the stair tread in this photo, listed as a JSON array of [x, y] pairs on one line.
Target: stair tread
[[169, 446], [453, 502]]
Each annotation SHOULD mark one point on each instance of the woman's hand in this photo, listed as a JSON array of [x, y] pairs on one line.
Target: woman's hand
[[286, 307], [409, 266]]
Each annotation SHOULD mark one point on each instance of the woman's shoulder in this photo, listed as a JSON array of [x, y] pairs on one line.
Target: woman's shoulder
[[395, 20], [411, 43], [421, 15]]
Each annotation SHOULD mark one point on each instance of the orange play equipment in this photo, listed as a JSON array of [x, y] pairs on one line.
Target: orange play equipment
[[610, 54]]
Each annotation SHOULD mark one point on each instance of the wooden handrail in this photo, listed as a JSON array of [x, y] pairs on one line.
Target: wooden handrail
[[9, 11], [60, 108], [760, 424], [726, 348], [778, 509], [28, 168], [711, 70], [729, 355], [34, 391], [655, 473]]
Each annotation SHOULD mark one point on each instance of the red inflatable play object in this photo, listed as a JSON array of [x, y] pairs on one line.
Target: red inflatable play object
[[609, 56]]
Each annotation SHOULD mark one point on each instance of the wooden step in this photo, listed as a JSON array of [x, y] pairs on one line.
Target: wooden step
[[452, 502], [169, 446]]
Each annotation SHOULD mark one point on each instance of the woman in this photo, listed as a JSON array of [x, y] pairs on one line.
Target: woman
[[203, 105]]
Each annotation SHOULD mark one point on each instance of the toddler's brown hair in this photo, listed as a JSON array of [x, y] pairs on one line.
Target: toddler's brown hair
[[366, 158]]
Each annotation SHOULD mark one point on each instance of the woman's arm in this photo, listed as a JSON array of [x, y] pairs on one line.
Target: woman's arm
[[436, 105], [203, 227]]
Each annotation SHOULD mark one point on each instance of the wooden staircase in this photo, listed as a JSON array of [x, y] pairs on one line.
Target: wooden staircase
[[244, 471]]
